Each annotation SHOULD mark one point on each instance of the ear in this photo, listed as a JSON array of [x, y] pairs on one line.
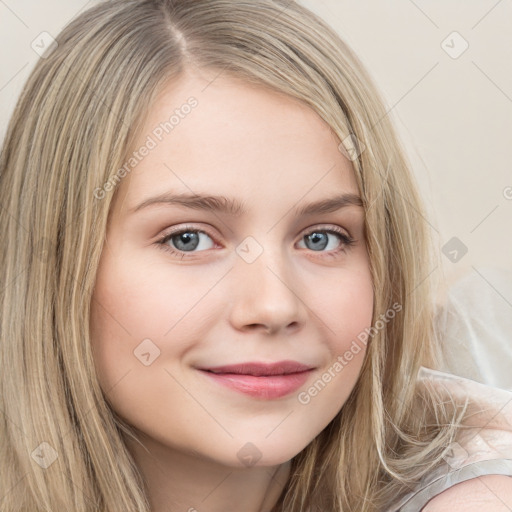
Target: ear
[[489, 493]]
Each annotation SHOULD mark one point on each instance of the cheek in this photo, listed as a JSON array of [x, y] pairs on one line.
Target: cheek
[[124, 312], [347, 308], [136, 310], [130, 313], [346, 311], [133, 300]]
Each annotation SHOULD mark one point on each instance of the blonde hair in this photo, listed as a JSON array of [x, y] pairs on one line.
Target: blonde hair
[[73, 127]]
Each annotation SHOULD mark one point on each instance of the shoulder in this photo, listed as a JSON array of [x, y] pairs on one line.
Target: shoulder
[[492, 493], [476, 473]]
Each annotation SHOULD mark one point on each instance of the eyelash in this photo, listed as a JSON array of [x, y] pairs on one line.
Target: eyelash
[[346, 241]]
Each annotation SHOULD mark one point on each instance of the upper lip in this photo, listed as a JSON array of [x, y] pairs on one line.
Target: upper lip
[[261, 369]]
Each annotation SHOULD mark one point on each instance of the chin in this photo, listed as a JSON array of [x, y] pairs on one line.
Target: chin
[[253, 455]]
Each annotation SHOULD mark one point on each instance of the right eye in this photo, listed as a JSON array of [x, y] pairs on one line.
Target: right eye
[[185, 240]]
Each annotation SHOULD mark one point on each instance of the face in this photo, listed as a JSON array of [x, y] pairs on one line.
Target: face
[[221, 328]]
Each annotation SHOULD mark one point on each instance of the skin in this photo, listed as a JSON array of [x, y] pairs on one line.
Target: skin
[[492, 493], [295, 301]]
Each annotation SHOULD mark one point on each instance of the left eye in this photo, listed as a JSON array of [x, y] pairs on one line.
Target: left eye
[[319, 239]]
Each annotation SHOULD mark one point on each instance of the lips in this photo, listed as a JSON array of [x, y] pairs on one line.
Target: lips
[[261, 380], [261, 369]]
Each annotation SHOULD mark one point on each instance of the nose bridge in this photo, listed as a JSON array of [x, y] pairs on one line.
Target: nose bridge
[[264, 291]]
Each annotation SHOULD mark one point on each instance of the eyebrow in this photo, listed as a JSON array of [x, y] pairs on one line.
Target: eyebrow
[[235, 208]]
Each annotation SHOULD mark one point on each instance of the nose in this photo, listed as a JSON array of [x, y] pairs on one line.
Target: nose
[[263, 298]]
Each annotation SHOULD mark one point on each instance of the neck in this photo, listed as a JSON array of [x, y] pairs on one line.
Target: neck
[[186, 482]]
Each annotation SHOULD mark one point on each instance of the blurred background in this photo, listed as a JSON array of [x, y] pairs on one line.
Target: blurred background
[[443, 68]]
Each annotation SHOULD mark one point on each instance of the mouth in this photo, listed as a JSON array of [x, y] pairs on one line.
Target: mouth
[[261, 380], [260, 369]]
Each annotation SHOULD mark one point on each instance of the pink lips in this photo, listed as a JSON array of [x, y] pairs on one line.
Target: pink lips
[[261, 380]]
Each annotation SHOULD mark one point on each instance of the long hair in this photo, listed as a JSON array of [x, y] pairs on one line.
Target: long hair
[[83, 106]]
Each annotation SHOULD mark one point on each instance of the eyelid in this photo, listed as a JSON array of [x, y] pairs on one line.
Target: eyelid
[[326, 227], [186, 227]]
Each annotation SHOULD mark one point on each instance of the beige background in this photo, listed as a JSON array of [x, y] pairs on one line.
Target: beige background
[[453, 112]]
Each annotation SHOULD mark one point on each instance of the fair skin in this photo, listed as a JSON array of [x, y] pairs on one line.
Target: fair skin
[[489, 493], [221, 299]]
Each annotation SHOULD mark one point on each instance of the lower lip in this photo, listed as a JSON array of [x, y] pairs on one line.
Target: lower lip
[[267, 387]]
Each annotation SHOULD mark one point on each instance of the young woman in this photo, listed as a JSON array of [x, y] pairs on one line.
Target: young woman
[[215, 280]]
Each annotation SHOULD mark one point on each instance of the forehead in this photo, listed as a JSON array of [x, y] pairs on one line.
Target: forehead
[[219, 134]]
